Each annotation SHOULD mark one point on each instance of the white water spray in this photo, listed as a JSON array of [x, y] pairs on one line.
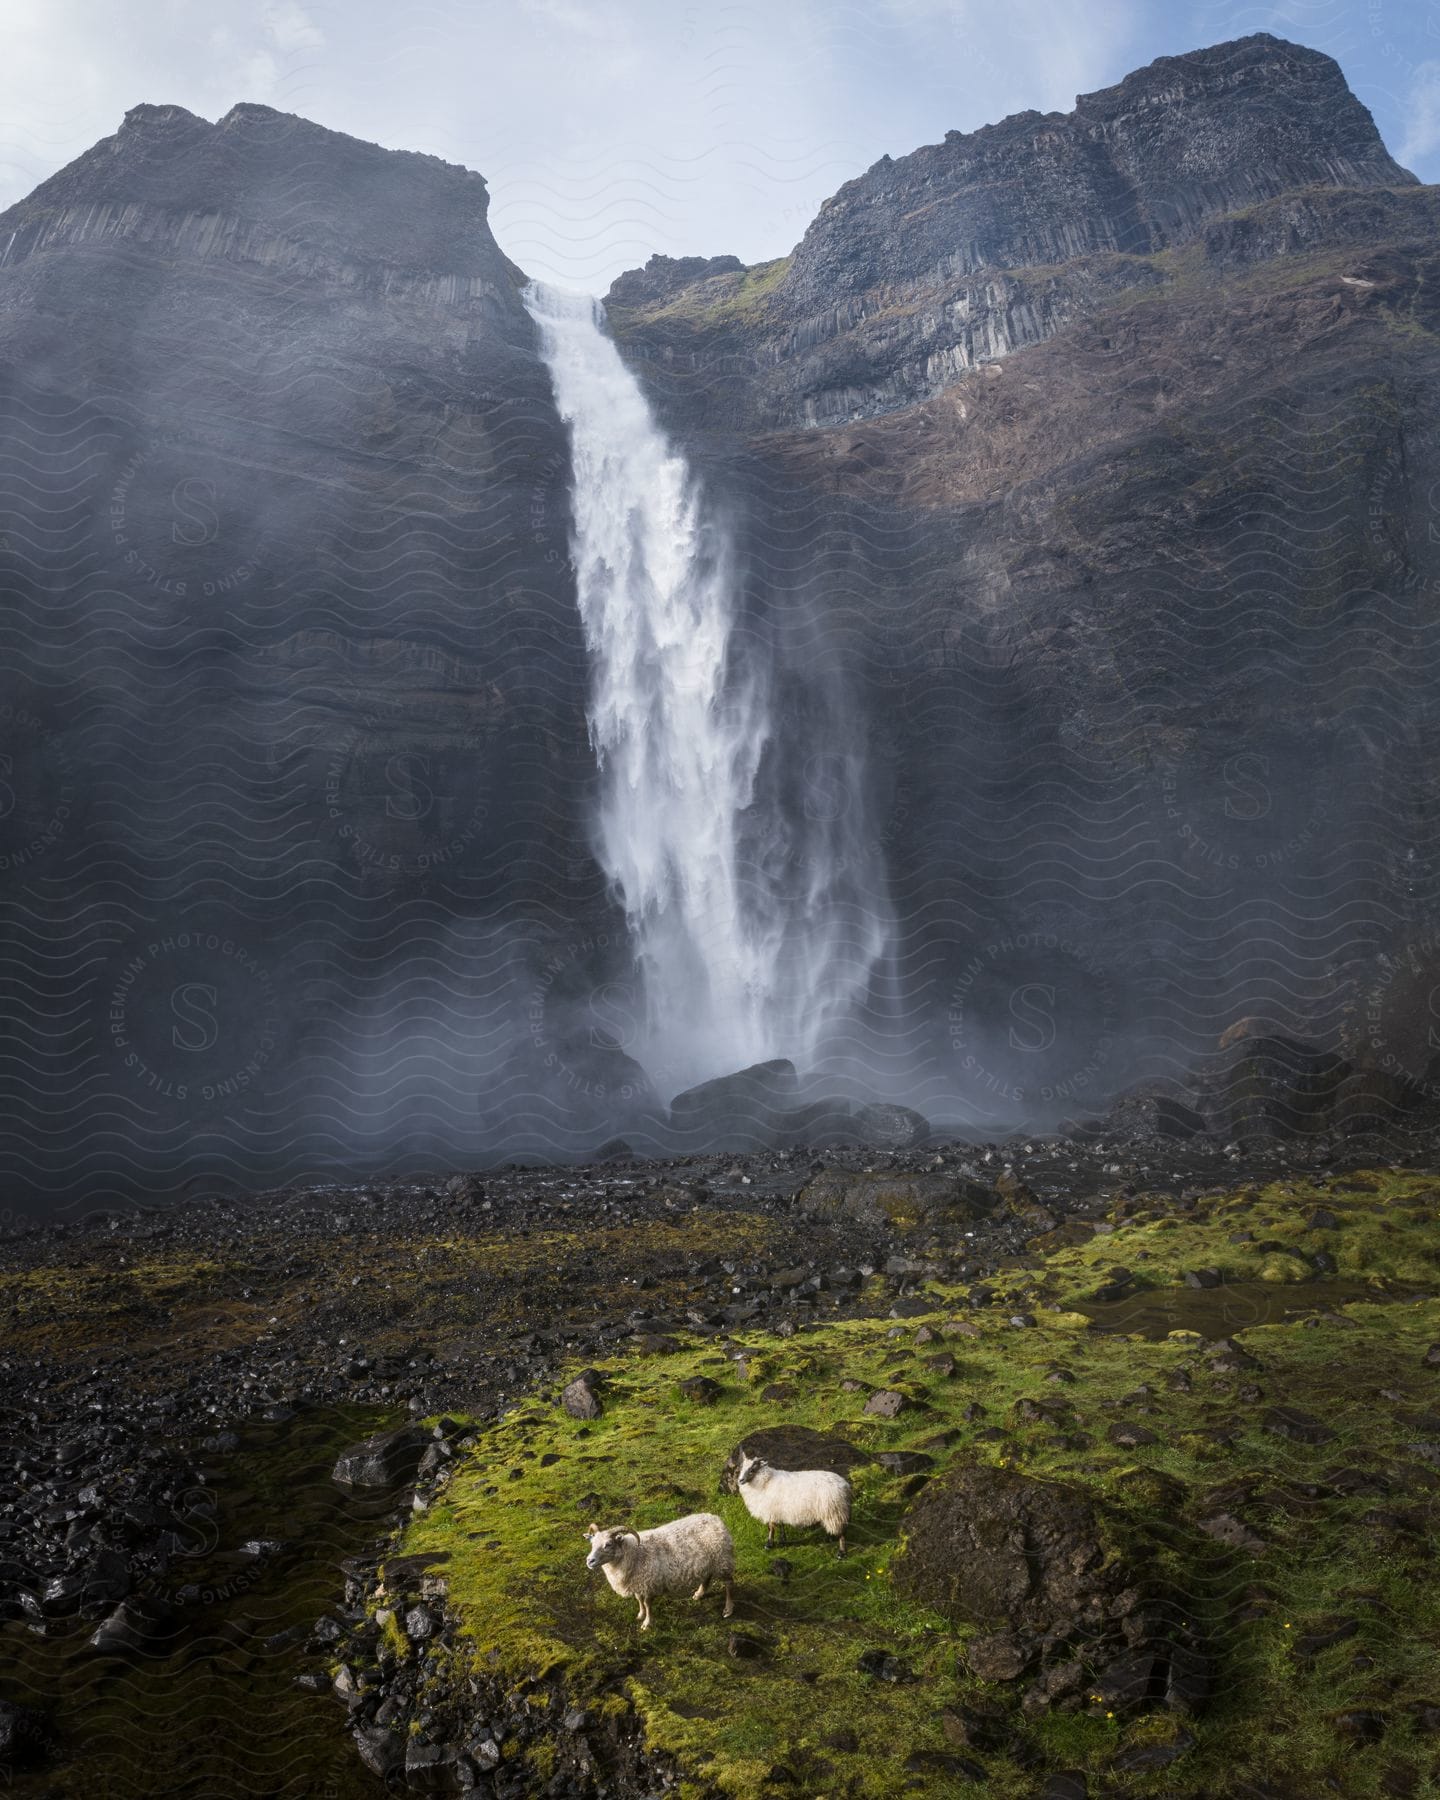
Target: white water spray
[[741, 912]]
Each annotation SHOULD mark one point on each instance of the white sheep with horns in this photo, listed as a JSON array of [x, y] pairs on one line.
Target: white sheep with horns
[[665, 1560], [794, 1497]]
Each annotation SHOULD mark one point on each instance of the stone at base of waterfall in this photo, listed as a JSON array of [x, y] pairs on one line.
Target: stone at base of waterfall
[[890, 1127], [748, 1110]]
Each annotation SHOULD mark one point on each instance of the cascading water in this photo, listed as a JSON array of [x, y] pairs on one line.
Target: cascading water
[[748, 936]]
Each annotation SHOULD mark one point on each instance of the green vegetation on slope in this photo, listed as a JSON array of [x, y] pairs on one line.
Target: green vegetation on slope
[[1339, 1528]]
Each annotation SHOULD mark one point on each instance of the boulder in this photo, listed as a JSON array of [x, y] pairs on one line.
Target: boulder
[[1049, 1573], [890, 1127], [792, 1447], [747, 1110], [1270, 1088], [989, 1546], [581, 1397], [383, 1460], [1153, 1109], [895, 1199]]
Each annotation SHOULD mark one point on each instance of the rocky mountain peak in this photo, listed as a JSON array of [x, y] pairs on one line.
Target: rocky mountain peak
[[1136, 167], [663, 276], [258, 168]]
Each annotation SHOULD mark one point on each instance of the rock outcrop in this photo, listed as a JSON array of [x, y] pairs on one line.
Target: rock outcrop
[[1108, 438], [297, 704], [1060, 1593], [933, 263]]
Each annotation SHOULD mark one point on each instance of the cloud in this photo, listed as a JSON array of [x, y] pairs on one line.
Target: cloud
[[1421, 115], [290, 28]]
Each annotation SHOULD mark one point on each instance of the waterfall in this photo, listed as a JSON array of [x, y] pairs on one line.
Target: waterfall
[[749, 938]]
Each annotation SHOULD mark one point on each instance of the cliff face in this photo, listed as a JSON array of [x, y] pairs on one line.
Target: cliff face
[[296, 686], [1108, 438], [933, 263]]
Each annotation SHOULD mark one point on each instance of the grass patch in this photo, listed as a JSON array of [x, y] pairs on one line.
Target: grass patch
[[801, 1716]]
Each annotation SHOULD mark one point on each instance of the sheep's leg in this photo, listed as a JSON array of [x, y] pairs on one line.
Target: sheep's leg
[[699, 1593], [729, 1597], [644, 1614], [769, 1537], [842, 1543]]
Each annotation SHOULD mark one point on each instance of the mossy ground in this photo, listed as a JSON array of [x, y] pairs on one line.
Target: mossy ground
[[802, 1717]]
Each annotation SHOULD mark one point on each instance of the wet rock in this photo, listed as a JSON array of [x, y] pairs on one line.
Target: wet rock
[[700, 1390], [1202, 1278], [581, 1397], [890, 1127], [1153, 1109], [419, 1624], [1000, 1656], [1054, 1683], [382, 1752], [743, 1647], [792, 1447], [432, 1768], [895, 1200], [741, 1111], [383, 1460], [137, 1624], [1066, 1784]]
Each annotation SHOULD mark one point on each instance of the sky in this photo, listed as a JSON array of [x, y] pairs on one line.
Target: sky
[[611, 129]]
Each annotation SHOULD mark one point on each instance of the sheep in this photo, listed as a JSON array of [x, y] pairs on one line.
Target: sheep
[[665, 1560], [794, 1497]]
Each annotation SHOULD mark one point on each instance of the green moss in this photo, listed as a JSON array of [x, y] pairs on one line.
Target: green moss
[[513, 1529]]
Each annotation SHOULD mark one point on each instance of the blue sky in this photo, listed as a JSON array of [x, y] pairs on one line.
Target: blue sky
[[608, 129]]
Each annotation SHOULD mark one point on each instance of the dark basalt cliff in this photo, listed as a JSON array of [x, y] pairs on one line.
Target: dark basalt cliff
[[295, 694], [932, 263], [1094, 452], [1109, 439]]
